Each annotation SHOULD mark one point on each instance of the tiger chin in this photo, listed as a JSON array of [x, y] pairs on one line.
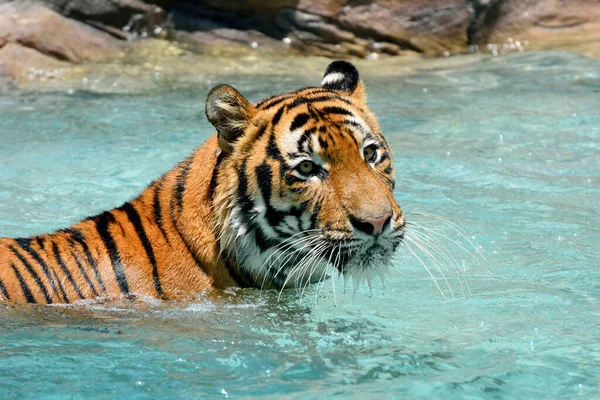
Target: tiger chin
[[288, 187]]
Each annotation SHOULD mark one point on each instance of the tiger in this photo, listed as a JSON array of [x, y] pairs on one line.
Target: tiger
[[286, 188]]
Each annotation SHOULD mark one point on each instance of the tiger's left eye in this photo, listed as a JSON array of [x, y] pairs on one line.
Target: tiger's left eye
[[370, 153], [306, 167]]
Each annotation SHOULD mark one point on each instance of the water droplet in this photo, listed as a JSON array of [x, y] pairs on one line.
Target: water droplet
[[254, 45], [446, 54], [501, 139], [574, 114], [425, 90], [448, 153], [499, 159], [372, 56], [286, 40], [224, 392]]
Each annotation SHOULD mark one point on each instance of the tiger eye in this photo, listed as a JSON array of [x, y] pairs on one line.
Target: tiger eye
[[370, 152], [306, 167]]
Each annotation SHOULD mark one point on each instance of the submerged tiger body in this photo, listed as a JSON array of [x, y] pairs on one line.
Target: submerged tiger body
[[287, 187]]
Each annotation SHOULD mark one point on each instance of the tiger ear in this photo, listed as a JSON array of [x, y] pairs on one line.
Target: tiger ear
[[343, 76], [230, 113]]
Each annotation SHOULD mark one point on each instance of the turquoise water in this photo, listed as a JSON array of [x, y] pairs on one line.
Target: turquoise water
[[507, 149]]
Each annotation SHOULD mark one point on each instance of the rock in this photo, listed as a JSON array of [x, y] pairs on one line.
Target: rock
[[17, 61], [337, 28], [545, 24], [33, 25], [116, 17], [79, 31]]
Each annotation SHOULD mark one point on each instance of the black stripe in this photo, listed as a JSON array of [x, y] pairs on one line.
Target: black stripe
[[264, 176], [242, 193], [181, 183], [335, 110], [24, 286], [272, 149], [25, 244], [3, 290], [79, 237], [275, 102], [156, 209], [277, 116], [103, 222], [247, 215], [304, 138], [314, 115], [299, 121], [185, 242], [40, 242], [215, 175], [134, 218], [62, 289], [278, 98], [323, 143], [350, 134], [384, 156], [34, 275], [84, 273], [64, 269], [319, 99]]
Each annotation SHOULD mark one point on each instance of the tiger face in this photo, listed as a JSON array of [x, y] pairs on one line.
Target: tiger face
[[305, 181]]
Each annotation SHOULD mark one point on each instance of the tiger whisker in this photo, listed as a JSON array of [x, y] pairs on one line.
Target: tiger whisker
[[453, 226], [284, 252], [438, 248], [314, 253], [434, 260], [426, 269]]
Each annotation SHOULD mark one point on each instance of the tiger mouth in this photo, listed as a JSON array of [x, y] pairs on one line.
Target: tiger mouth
[[364, 255]]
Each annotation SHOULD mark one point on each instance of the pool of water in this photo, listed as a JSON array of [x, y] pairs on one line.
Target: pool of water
[[507, 149]]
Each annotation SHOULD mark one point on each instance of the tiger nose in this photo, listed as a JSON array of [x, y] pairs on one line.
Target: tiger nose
[[371, 225]]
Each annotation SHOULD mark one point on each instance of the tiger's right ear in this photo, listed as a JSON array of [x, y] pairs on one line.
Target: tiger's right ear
[[343, 76], [230, 113]]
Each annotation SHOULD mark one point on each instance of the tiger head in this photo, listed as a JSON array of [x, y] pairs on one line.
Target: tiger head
[[305, 181]]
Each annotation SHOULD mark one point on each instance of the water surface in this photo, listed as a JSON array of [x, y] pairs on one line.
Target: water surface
[[505, 148]]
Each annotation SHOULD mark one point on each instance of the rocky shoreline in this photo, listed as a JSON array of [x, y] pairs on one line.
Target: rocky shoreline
[[60, 35]]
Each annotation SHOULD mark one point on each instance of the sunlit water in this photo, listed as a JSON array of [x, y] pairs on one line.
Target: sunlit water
[[507, 149]]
